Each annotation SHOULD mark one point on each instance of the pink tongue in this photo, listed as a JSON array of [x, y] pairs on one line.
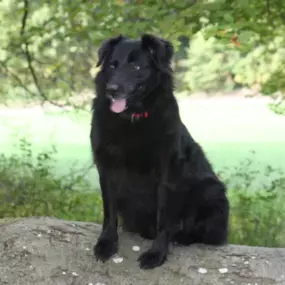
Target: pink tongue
[[118, 105]]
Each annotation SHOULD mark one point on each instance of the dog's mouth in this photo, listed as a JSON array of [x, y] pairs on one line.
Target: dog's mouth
[[118, 105]]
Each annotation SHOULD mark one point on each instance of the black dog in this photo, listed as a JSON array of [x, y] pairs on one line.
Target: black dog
[[152, 173]]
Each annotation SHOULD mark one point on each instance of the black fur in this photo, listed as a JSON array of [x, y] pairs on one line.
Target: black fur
[[152, 172]]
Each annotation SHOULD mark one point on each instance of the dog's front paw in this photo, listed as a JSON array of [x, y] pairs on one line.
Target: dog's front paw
[[152, 258], [105, 249]]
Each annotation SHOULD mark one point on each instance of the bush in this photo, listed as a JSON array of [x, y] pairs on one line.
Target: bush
[[211, 65], [257, 215], [28, 187], [258, 219], [208, 65], [261, 65]]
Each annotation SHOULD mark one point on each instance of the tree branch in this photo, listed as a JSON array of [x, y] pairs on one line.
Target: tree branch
[[25, 17], [29, 58], [17, 78]]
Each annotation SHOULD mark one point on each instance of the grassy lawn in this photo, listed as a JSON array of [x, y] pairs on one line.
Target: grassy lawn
[[228, 130]]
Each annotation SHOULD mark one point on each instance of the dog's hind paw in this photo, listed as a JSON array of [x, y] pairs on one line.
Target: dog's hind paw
[[151, 259], [105, 249]]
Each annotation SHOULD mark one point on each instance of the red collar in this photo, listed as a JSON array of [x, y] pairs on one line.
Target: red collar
[[136, 116]]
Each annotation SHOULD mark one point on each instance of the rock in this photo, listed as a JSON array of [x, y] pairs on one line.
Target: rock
[[49, 251]]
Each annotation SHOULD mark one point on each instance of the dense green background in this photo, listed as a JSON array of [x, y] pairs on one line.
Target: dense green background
[[228, 129], [48, 52]]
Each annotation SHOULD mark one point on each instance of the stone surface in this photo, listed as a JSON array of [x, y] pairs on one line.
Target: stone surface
[[48, 251]]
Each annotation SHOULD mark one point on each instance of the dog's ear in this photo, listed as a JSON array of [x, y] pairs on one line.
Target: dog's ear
[[107, 47], [160, 49]]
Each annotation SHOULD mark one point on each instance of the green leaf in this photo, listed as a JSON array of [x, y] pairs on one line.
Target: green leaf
[[246, 36]]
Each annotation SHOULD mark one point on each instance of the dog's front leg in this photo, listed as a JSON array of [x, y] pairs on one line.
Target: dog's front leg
[[157, 254], [107, 244]]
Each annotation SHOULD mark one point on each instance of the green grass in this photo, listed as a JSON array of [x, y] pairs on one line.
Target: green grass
[[53, 186], [227, 130], [28, 187], [58, 183]]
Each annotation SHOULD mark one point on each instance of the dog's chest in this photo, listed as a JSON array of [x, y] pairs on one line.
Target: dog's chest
[[134, 151], [138, 157]]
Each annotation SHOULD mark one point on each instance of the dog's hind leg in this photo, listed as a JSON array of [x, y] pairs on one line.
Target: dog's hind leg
[[213, 226], [213, 229], [209, 223]]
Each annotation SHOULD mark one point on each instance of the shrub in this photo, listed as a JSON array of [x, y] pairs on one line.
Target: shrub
[[258, 219], [29, 187], [257, 214], [210, 65], [262, 66]]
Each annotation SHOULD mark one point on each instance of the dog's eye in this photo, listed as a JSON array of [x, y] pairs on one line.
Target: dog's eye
[[137, 67]]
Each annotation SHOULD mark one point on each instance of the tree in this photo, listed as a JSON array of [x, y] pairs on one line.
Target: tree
[[48, 47]]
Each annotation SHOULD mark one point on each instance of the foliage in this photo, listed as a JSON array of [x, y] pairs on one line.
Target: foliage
[[28, 187], [208, 65], [257, 215], [258, 218], [263, 66], [212, 66], [48, 48]]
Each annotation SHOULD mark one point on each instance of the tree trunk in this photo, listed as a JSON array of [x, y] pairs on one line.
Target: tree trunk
[[44, 251]]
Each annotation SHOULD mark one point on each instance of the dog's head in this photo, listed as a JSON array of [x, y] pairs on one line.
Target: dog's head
[[131, 69]]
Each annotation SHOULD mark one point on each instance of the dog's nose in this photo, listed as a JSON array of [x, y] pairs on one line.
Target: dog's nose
[[112, 87]]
